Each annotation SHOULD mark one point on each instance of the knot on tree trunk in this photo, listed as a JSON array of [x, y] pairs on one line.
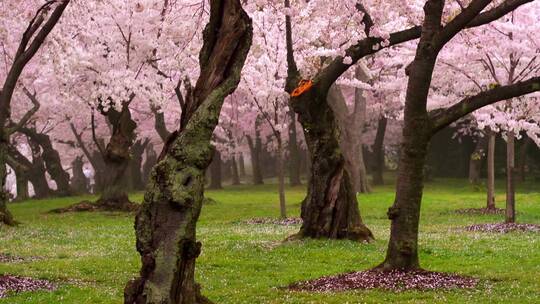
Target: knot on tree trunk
[[393, 212], [190, 249], [406, 247]]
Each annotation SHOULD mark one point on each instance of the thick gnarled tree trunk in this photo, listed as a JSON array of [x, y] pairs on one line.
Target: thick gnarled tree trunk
[[51, 157], [116, 157], [166, 223], [330, 209]]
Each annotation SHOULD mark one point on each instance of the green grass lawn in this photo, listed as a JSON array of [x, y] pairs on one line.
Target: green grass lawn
[[92, 255]]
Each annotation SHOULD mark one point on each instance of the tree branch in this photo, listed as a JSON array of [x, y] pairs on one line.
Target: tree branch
[[370, 45], [28, 115], [441, 118]]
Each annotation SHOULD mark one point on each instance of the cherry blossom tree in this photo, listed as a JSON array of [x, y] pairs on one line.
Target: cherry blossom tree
[[39, 27]]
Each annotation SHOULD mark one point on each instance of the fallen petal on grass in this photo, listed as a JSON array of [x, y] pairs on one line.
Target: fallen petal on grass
[[14, 284], [504, 227], [395, 280]]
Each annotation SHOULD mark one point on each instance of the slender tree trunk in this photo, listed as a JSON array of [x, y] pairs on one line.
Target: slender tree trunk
[[215, 172], [235, 176], [255, 147], [242, 165], [166, 224], [281, 179], [522, 159], [492, 136], [475, 161], [294, 154], [510, 185], [378, 152]]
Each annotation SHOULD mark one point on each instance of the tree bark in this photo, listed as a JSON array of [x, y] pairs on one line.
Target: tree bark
[[330, 209], [116, 157], [166, 224], [475, 161], [492, 136], [378, 151], [510, 183], [22, 184], [38, 170], [215, 172], [294, 154]]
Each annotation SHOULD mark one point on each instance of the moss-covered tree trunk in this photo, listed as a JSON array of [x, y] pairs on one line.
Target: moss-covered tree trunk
[[166, 223]]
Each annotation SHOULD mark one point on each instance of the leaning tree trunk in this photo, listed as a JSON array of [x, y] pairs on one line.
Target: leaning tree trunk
[[475, 161], [52, 160], [491, 171], [294, 153], [166, 223], [215, 172], [510, 185], [330, 209], [378, 152]]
